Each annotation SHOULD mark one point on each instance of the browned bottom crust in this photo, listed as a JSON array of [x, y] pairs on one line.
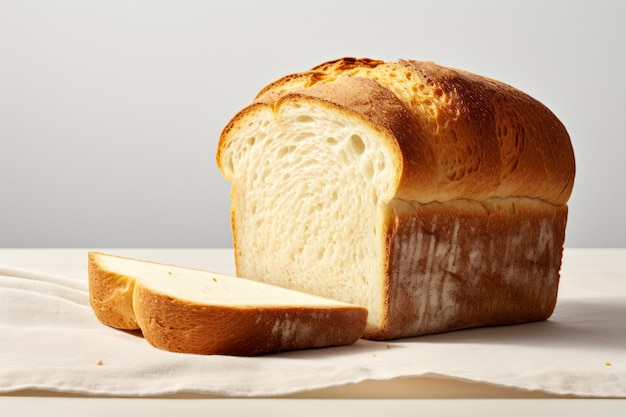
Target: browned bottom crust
[[464, 264]]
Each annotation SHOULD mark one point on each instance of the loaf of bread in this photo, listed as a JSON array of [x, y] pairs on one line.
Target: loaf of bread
[[193, 311], [434, 197]]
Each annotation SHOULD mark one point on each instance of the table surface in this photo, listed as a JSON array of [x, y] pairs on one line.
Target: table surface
[[436, 396]]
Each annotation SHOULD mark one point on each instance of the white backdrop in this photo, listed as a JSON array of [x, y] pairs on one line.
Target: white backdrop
[[110, 110]]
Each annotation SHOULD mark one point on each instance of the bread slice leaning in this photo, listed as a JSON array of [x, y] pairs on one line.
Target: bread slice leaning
[[193, 311]]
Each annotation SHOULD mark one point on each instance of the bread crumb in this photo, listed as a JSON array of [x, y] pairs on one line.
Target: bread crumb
[[374, 355], [99, 363], [214, 279], [169, 272], [608, 364], [388, 346]]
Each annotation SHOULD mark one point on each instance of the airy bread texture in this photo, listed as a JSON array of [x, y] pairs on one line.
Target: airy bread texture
[[193, 311], [432, 196]]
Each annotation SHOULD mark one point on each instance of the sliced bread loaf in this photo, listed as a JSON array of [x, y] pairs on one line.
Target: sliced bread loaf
[[193, 311], [435, 197]]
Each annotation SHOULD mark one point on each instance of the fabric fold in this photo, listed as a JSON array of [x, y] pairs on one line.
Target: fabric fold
[[51, 340]]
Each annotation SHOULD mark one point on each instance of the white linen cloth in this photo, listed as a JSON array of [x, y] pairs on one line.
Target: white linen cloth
[[50, 340]]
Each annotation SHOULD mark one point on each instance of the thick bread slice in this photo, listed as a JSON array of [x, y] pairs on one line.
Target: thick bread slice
[[193, 311], [435, 197]]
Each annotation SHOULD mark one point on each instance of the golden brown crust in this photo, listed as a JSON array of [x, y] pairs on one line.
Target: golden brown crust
[[111, 296], [459, 135]]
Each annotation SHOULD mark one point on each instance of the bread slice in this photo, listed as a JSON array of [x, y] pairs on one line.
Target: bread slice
[[435, 197], [193, 311]]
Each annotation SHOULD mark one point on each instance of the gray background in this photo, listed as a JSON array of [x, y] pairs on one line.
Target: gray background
[[110, 110]]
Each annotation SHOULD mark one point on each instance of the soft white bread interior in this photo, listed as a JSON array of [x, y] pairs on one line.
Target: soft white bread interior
[[432, 196], [194, 311]]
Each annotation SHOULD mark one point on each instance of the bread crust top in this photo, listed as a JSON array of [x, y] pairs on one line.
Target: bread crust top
[[453, 134]]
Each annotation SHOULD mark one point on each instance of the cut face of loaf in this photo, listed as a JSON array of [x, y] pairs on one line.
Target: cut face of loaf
[[434, 197], [192, 311]]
